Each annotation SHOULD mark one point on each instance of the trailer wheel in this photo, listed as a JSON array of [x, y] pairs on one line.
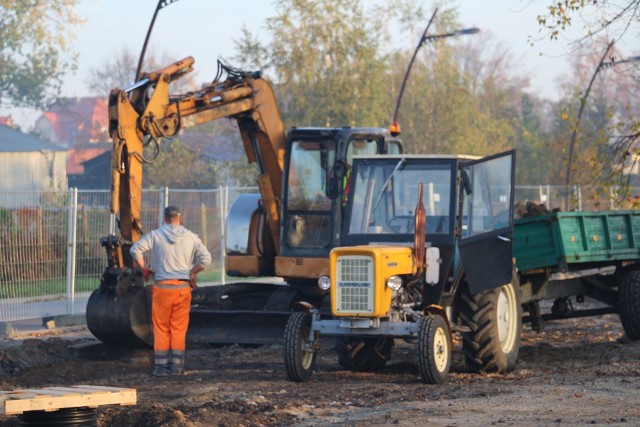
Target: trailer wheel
[[299, 353], [629, 304], [434, 349], [363, 354], [495, 320]]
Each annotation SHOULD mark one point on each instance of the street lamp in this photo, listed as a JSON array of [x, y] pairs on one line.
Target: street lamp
[[583, 100], [160, 5], [394, 128]]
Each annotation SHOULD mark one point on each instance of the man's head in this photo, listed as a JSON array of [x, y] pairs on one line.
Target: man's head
[[172, 215]]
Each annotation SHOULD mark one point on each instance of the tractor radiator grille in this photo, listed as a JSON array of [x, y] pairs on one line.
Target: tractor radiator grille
[[354, 290]]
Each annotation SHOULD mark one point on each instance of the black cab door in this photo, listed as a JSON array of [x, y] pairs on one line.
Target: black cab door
[[487, 220]]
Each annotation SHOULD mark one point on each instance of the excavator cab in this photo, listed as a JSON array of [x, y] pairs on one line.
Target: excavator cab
[[317, 170]]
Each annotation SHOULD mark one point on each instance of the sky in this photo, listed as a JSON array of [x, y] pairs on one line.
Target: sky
[[206, 29]]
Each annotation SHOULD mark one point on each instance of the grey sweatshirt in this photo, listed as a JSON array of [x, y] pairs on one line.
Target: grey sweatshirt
[[174, 251]]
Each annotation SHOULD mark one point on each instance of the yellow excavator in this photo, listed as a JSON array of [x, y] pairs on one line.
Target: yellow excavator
[[286, 231]]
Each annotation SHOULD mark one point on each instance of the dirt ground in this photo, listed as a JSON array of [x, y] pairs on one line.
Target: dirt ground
[[576, 372]]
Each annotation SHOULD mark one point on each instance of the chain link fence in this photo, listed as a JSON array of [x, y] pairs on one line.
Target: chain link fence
[[50, 253]]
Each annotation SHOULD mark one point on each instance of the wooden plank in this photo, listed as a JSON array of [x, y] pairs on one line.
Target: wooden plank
[[100, 387], [54, 398], [72, 390]]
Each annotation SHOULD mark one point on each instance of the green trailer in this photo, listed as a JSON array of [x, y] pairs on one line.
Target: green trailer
[[567, 256]]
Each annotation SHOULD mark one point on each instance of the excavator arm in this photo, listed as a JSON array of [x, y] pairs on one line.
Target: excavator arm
[[147, 112]]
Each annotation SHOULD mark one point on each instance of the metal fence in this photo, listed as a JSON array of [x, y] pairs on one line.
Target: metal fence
[[50, 253]]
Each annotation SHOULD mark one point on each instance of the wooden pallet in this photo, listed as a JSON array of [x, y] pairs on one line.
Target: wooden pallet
[[54, 398]]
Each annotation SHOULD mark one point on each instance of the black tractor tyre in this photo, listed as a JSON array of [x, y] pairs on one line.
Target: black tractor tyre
[[299, 355], [494, 318], [434, 349], [363, 354], [629, 304]]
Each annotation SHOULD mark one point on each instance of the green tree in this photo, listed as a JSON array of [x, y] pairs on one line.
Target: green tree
[[35, 54], [326, 62], [251, 54], [459, 99], [530, 137], [179, 166]]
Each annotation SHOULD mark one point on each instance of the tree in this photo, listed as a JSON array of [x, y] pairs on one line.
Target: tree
[[251, 54], [610, 22], [118, 71], [612, 18], [326, 63], [35, 38], [460, 98], [179, 166]]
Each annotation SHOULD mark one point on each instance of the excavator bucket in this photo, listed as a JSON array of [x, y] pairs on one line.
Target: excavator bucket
[[121, 320]]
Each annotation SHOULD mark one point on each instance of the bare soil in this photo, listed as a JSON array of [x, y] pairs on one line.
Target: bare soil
[[576, 372]]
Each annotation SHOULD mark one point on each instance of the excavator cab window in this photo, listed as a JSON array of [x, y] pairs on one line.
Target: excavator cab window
[[361, 147], [308, 223]]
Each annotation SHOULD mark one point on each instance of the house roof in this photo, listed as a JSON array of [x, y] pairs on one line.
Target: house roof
[[79, 120], [6, 121], [12, 140], [81, 154]]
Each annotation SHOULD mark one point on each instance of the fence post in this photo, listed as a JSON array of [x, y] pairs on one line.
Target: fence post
[[223, 211], [164, 202], [72, 225]]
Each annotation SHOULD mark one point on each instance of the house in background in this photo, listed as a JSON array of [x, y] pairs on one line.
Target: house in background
[[95, 173], [29, 164], [82, 126], [6, 121], [75, 121]]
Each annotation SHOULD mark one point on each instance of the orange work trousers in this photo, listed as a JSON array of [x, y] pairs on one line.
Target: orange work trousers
[[170, 314]]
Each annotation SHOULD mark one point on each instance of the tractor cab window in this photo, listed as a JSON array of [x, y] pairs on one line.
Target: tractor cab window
[[385, 198], [308, 221], [488, 207]]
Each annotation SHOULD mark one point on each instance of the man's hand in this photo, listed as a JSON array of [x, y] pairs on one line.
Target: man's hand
[[192, 280], [147, 273]]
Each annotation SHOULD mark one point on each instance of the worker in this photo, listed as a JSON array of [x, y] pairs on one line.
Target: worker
[[176, 255]]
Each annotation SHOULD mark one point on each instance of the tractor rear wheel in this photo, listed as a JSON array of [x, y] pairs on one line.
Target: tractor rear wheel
[[494, 318], [629, 304], [434, 349], [299, 351], [363, 354]]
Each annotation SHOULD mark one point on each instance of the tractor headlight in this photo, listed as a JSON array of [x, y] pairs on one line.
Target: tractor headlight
[[394, 282], [324, 283]]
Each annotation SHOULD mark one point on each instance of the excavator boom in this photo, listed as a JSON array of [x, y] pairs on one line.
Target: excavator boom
[[135, 118]]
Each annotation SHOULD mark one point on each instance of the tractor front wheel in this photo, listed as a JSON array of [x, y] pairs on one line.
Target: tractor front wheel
[[434, 349], [299, 351]]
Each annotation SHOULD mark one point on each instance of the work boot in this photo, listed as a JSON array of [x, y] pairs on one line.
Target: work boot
[[161, 370], [177, 370]]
